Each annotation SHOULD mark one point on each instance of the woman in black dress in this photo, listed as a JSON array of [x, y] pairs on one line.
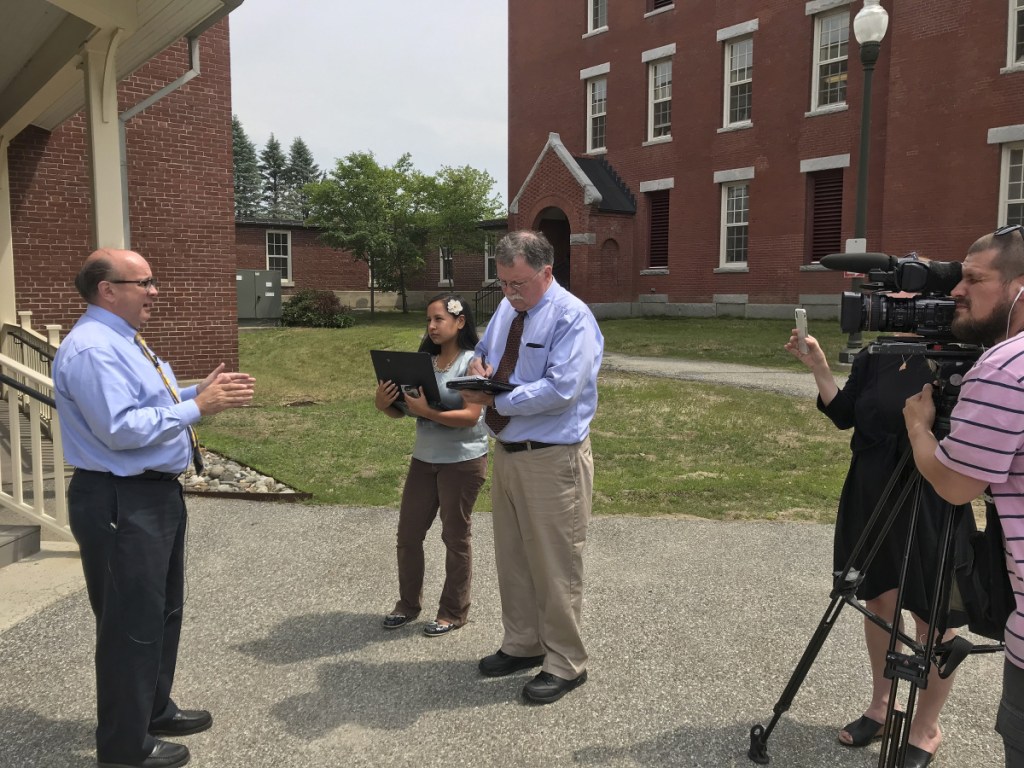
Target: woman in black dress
[[871, 402]]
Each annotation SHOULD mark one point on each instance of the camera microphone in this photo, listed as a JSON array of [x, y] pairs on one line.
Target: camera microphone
[[857, 262]]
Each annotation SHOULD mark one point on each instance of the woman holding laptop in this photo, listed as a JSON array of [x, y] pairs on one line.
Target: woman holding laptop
[[448, 468]]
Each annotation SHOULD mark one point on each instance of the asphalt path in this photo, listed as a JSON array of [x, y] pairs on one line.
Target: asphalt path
[[694, 628]]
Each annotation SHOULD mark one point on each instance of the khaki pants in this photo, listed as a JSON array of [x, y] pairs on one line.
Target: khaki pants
[[542, 503]]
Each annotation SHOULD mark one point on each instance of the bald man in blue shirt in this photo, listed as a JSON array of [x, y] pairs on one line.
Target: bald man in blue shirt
[[129, 431]]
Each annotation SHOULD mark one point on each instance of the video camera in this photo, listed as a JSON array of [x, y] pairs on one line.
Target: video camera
[[929, 315]]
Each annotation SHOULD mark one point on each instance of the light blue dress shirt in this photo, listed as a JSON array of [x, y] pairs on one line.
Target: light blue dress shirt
[[116, 414], [556, 375]]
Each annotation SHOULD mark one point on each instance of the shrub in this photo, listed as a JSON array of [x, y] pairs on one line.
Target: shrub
[[316, 309]]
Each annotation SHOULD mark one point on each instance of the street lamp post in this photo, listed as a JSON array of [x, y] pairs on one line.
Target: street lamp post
[[869, 27]]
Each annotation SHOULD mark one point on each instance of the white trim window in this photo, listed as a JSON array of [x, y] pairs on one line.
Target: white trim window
[[597, 113], [597, 15], [490, 258], [735, 223], [1011, 209], [279, 253], [446, 268], [739, 81], [831, 59], [659, 99], [1015, 44]]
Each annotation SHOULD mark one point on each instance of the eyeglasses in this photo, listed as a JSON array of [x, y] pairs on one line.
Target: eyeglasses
[[1009, 229], [517, 284], [149, 282]]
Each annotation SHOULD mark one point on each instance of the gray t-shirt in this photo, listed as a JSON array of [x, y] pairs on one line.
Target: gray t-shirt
[[438, 444]]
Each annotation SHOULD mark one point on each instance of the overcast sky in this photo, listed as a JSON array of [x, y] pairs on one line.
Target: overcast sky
[[427, 78]]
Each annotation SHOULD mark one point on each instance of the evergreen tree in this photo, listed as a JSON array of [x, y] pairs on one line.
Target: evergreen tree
[[273, 165], [248, 183], [301, 171]]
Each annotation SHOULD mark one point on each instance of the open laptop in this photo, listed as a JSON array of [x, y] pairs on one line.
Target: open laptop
[[410, 371]]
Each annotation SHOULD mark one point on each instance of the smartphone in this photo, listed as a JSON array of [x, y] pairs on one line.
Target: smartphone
[[801, 328]]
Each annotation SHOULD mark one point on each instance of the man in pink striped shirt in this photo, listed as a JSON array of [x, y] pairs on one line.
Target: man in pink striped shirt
[[985, 446]]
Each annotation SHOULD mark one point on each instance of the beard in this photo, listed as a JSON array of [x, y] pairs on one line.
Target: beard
[[984, 331]]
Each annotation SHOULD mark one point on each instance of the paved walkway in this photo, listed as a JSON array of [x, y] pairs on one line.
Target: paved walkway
[[694, 628]]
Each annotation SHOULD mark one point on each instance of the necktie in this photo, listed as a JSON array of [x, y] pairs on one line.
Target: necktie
[[509, 358], [197, 456]]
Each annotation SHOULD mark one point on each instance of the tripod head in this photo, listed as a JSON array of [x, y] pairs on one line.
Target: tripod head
[[949, 361]]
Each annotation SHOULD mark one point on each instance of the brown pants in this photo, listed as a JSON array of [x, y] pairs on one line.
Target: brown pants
[[453, 489]]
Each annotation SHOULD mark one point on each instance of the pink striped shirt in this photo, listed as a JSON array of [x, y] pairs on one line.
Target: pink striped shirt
[[986, 442]]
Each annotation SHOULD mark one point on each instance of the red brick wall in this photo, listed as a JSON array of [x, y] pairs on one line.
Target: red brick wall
[[933, 179], [314, 264], [181, 207]]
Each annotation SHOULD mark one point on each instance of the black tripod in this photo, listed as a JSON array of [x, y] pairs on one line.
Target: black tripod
[[914, 666]]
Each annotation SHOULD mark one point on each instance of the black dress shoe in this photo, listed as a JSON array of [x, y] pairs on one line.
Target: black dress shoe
[[500, 664], [546, 688], [186, 722], [164, 755]]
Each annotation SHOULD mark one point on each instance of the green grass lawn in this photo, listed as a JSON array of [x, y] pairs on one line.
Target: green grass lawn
[[662, 447]]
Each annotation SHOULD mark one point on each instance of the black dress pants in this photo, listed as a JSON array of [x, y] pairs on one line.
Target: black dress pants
[[131, 533]]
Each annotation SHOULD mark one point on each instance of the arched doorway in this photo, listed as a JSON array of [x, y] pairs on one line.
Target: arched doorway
[[555, 225]]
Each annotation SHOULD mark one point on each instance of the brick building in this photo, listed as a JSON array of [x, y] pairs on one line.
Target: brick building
[[179, 190], [699, 158]]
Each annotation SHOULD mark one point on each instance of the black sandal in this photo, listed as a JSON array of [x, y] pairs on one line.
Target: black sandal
[[435, 629], [862, 732]]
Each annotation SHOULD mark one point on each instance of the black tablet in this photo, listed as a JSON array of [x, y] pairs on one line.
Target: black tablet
[[480, 383], [409, 370]]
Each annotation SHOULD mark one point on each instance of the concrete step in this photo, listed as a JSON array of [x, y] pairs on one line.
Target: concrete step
[[17, 542]]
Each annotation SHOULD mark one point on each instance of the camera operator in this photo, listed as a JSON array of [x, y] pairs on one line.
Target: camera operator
[[986, 439], [870, 402]]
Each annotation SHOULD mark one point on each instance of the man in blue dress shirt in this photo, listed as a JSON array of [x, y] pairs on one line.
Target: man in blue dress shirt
[[546, 342], [128, 430]]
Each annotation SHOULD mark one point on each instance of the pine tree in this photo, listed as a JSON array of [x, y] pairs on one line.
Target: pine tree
[[273, 165], [248, 184], [301, 171]]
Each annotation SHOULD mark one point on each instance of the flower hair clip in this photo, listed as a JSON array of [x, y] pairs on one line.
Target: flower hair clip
[[454, 307]]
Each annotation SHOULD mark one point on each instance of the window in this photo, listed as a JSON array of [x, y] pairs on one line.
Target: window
[[653, 5], [597, 112], [1013, 184], [659, 110], [447, 268], [279, 253], [831, 39], [597, 15], [657, 205], [739, 80], [735, 219], [490, 260], [825, 217], [1016, 43]]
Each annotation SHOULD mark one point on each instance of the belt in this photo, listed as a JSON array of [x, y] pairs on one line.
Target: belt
[[526, 445], [149, 474]]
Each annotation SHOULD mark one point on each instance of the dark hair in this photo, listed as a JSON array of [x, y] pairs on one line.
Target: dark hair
[[467, 338], [532, 246], [89, 277], [1009, 248]]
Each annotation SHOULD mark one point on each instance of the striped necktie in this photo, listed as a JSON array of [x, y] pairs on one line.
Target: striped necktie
[[197, 456], [509, 358]]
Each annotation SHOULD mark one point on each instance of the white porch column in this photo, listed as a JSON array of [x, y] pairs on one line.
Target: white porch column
[[7, 306], [99, 57]]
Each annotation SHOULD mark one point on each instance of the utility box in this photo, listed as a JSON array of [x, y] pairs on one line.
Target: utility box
[[259, 295]]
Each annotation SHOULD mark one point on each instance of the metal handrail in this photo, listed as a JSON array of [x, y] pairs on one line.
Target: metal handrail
[[486, 300], [26, 346]]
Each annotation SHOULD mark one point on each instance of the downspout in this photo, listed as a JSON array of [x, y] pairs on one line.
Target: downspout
[[193, 71]]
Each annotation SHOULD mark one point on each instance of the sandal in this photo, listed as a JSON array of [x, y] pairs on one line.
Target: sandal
[[862, 732], [436, 629], [395, 620]]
